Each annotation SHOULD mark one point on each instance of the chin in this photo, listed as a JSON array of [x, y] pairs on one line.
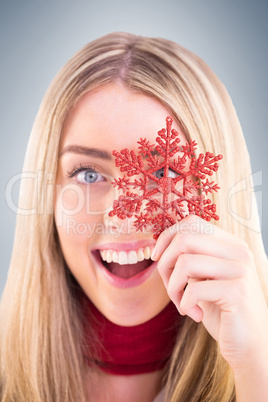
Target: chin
[[129, 308]]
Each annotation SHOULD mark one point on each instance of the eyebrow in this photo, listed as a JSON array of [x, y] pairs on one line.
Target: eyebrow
[[95, 152]]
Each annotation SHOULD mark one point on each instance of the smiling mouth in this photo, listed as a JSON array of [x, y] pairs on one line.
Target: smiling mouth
[[125, 264]]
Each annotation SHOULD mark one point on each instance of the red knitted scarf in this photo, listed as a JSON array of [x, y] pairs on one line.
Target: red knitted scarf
[[138, 349]]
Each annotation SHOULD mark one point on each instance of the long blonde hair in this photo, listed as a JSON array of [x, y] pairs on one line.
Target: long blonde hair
[[41, 335]]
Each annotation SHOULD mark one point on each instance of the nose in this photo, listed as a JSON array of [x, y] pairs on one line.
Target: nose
[[113, 223]]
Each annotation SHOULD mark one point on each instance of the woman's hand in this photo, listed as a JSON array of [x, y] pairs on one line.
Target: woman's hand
[[210, 276]]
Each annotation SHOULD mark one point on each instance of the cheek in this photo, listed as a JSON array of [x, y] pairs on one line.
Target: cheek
[[82, 203], [70, 201], [76, 229], [74, 220], [91, 200]]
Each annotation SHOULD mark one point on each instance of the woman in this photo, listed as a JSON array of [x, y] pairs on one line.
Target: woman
[[62, 302]]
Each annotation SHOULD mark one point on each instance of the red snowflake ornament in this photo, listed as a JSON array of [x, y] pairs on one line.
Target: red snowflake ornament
[[169, 188]]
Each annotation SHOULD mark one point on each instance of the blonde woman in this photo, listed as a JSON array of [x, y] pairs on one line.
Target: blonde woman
[[188, 324]]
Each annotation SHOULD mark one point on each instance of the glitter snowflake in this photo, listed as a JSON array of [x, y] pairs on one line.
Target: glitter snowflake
[[172, 182]]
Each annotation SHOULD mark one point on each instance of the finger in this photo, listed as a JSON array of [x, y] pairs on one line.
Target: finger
[[194, 312], [198, 267], [205, 291], [191, 225], [197, 244]]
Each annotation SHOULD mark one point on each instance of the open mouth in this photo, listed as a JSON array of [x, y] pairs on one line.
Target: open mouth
[[125, 264]]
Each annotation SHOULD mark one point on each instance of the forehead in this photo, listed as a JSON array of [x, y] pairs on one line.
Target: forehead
[[113, 116]]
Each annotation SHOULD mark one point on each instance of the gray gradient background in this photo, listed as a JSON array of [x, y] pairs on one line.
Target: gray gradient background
[[38, 37]]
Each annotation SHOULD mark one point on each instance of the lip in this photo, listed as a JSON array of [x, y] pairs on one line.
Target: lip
[[126, 246], [116, 281]]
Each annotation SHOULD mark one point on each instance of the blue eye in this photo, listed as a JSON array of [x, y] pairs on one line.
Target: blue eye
[[160, 173], [89, 177]]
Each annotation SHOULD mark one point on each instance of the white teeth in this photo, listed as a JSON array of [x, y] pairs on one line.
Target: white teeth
[[126, 257], [140, 255], [132, 257], [122, 258], [109, 257], [115, 256], [147, 253], [103, 254]]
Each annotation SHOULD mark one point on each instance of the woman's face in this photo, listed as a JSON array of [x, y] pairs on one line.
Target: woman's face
[[127, 289]]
